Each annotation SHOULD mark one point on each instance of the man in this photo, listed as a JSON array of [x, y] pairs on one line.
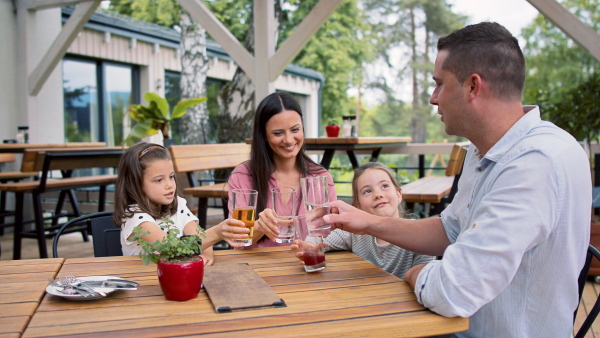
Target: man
[[515, 236]]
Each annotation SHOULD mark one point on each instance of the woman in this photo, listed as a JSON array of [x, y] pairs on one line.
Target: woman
[[277, 159]]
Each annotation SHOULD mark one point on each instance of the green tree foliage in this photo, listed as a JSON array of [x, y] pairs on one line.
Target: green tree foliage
[[556, 64], [398, 26], [339, 50], [162, 12], [579, 111]]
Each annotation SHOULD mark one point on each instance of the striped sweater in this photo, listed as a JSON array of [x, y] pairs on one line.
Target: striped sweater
[[388, 257]]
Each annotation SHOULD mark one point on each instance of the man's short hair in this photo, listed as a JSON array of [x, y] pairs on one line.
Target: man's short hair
[[489, 50]]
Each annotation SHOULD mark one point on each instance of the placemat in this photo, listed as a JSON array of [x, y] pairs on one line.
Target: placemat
[[233, 287]]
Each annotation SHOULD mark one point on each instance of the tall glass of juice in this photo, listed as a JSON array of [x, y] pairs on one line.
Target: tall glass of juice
[[244, 209]]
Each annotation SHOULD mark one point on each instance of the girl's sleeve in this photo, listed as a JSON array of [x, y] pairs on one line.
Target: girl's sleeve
[[338, 240]]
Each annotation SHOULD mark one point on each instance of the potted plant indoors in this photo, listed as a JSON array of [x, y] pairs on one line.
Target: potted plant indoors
[[156, 116], [180, 267], [332, 128]]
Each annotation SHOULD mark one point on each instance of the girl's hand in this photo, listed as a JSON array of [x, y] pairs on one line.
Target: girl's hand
[[207, 256], [299, 247], [231, 229], [266, 224]]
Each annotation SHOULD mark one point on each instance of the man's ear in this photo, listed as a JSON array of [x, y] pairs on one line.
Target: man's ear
[[474, 83]]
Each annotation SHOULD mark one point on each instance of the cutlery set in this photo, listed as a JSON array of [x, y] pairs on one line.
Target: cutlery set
[[70, 285]]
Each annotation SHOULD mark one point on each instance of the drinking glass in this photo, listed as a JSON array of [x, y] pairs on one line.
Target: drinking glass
[[315, 192], [244, 209], [311, 246], [284, 205]]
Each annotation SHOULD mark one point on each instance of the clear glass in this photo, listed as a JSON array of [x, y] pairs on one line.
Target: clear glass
[[315, 191], [285, 207], [244, 209]]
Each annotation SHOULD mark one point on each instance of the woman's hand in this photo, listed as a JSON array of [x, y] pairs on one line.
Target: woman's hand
[[266, 224]]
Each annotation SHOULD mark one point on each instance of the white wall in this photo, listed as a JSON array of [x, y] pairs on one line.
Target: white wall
[[8, 71], [44, 113]]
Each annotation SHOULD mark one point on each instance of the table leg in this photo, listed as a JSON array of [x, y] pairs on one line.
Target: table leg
[[353, 159], [202, 210], [375, 155], [18, 226], [39, 224], [327, 157]]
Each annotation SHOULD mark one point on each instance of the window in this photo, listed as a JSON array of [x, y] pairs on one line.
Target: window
[[93, 115]]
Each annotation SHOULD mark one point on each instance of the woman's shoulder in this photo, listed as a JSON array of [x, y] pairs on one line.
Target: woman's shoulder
[[242, 168]]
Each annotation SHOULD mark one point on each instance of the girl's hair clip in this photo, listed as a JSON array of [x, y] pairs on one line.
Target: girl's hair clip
[[148, 149]]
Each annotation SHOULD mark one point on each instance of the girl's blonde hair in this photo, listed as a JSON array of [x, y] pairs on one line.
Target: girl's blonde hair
[[129, 184], [358, 172]]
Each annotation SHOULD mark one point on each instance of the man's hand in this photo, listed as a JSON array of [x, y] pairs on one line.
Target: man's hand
[[348, 218], [411, 275]]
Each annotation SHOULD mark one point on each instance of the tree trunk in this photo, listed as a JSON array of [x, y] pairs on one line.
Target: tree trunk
[[237, 99], [195, 128]]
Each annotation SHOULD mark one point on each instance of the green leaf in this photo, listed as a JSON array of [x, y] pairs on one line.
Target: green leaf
[[142, 129], [161, 104], [183, 105]]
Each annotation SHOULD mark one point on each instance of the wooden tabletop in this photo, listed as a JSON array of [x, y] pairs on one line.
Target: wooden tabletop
[[22, 287], [352, 140], [20, 147], [430, 189], [350, 297]]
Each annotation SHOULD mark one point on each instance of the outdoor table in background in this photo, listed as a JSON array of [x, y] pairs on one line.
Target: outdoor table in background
[[350, 145], [350, 297], [20, 147], [22, 287]]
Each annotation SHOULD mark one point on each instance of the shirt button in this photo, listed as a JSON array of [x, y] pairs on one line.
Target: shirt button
[[479, 169]]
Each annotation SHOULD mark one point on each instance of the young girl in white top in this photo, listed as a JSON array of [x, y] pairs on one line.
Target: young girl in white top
[[145, 192], [376, 191]]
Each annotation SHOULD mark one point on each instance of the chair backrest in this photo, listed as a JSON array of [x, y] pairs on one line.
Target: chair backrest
[[106, 237], [105, 234], [592, 253], [457, 158]]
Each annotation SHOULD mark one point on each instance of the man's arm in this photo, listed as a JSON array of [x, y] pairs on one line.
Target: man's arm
[[424, 236]]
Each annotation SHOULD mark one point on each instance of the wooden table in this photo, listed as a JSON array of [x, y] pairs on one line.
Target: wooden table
[[350, 145], [22, 287], [351, 297], [20, 147]]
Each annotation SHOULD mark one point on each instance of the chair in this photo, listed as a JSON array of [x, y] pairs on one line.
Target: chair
[[593, 313], [105, 235]]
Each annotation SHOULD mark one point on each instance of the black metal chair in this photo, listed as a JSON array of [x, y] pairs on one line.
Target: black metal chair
[[105, 235], [593, 313]]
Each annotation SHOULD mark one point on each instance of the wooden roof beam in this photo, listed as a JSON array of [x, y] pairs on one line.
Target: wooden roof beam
[[582, 34], [59, 47]]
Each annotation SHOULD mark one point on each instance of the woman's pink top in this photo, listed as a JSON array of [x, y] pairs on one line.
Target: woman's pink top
[[241, 178]]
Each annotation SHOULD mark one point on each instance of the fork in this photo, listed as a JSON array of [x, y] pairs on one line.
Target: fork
[[72, 280], [68, 289]]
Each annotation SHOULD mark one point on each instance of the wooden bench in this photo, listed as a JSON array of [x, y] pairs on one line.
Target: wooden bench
[[6, 177], [189, 159], [437, 191], [64, 160]]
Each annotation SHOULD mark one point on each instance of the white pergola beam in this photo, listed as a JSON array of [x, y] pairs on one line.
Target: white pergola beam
[[265, 38], [582, 34], [59, 47], [305, 30], [45, 4], [221, 34]]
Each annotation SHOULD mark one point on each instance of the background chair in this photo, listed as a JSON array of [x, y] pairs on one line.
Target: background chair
[[105, 234], [593, 313]]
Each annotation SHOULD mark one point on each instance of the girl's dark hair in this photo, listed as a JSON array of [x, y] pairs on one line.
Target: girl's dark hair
[[129, 184], [262, 163], [358, 172]]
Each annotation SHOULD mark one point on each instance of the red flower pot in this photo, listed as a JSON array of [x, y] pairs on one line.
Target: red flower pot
[[332, 130], [180, 281]]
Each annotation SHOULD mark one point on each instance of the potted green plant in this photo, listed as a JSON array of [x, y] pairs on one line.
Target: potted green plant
[[156, 116], [180, 267], [332, 128]]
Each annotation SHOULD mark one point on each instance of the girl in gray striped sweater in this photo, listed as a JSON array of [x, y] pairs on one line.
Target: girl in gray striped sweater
[[376, 191]]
